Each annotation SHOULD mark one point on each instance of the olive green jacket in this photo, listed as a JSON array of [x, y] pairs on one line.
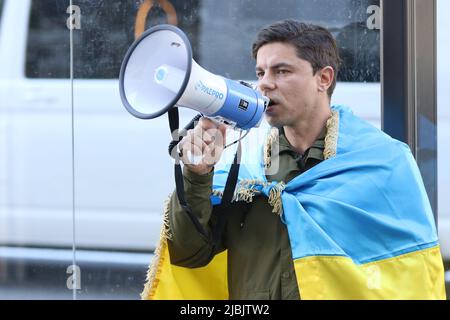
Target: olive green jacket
[[260, 264]]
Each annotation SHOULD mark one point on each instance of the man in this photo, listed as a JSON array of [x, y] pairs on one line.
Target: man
[[341, 234]]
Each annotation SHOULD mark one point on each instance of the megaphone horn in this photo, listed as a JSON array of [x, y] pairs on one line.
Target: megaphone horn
[[158, 73]]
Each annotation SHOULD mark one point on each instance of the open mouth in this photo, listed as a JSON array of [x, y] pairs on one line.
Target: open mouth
[[272, 102], [270, 105]]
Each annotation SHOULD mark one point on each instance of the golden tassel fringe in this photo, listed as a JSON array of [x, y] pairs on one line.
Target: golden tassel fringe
[[268, 147], [154, 271], [332, 136]]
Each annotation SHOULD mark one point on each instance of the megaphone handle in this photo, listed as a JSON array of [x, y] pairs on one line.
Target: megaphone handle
[[182, 133]]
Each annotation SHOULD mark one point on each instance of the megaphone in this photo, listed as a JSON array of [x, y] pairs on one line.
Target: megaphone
[[158, 73]]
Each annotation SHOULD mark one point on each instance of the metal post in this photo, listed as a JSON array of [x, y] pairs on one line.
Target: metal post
[[409, 84]]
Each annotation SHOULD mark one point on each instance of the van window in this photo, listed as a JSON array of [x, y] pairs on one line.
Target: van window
[[1, 9], [221, 34], [48, 44]]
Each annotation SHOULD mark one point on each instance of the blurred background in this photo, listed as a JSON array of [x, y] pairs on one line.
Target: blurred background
[[83, 181]]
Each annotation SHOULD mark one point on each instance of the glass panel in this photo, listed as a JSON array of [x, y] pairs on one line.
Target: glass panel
[[117, 201], [443, 96], [123, 171], [48, 37], [35, 152], [1, 9]]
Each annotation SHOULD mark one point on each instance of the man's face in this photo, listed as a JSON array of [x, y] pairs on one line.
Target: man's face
[[288, 81]]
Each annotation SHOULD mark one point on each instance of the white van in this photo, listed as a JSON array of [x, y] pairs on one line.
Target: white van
[[122, 171]]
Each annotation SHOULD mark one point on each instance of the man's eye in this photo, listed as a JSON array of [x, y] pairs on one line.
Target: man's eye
[[282, 71], [259, 75]]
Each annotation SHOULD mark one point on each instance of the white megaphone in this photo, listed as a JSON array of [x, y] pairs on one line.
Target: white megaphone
[[158, 73]]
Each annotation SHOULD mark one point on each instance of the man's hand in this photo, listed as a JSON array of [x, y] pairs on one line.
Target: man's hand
[[202, 147]]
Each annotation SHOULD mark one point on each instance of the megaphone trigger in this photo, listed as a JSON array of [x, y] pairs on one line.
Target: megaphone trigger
[[218, 121]]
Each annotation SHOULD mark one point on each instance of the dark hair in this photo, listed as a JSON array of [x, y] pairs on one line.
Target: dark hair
[[313, 43]]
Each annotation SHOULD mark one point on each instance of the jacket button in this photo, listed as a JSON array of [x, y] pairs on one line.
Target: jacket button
[[242, 225], [286, 275]]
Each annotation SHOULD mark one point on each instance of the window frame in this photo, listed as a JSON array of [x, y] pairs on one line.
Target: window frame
[[409, 83]]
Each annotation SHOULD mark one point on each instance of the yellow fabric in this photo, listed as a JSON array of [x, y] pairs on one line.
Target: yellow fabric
[[412, 276], [206, 283]]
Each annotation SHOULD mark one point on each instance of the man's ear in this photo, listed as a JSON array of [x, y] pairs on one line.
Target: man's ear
[[325, 78]]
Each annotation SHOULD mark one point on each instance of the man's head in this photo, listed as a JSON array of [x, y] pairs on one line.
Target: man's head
[[314, 44], [296, 66]]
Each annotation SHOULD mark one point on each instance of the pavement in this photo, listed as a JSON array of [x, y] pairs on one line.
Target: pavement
[[34, 274], [107, 277]]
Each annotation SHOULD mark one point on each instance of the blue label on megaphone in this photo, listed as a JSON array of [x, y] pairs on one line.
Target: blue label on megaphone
[[200, 86]]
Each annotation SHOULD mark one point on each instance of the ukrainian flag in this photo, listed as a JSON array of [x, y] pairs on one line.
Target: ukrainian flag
[[360, 224]]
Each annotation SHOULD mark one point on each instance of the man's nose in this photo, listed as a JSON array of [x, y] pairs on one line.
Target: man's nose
[[266, 83]]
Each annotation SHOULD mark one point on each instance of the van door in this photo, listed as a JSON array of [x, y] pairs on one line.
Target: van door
[[123, 170], [36, 124]]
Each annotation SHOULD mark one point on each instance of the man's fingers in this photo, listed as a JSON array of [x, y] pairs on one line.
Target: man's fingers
[[195, 140], [207, 123], [210, 131], [191, 154], [223, 130], [204, 144], [212, 154]]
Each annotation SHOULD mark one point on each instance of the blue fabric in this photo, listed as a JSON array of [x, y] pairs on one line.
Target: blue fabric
[[367, 203]]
